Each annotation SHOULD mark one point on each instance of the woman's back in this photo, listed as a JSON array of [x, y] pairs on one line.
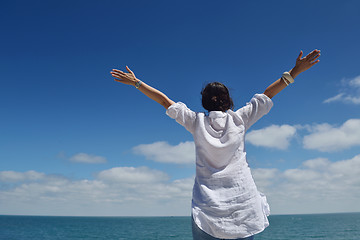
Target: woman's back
[[226, 203]]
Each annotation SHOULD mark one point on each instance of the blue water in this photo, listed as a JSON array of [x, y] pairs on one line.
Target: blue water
[[282, 227]]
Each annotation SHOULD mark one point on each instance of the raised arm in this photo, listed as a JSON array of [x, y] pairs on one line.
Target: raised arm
[[130, 79], [302, 64]]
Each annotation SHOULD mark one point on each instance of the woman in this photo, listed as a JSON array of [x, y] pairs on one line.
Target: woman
[[226, 203]]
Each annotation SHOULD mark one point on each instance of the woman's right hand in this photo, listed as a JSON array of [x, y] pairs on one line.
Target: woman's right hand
[[126, 78], [304, 63]]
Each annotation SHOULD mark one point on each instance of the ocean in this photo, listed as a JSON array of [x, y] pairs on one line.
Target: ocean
[[338, 226]]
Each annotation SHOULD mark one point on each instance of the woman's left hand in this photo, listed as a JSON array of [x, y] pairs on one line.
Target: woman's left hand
[[126, 78]]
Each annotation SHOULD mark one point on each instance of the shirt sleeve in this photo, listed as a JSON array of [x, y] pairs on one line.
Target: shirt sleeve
[[183, 115], [258, 106]]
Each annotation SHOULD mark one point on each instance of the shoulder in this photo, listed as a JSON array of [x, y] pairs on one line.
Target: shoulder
[[262, 97], [176, 107], [179, 109], [257, 100]]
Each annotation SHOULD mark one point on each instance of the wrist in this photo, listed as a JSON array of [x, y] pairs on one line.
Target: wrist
[[137, 83], [134, 81], [294, 72]]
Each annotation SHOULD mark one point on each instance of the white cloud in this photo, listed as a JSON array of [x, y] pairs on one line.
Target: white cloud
[[349, 93], [352, 99], [274, 136], [336, 98], [87, 158], [264, 176], [318, 186], [317, 164], [355, 82], [117, 191], [327, 138], [132, 175], [183, 153], [12, 177]]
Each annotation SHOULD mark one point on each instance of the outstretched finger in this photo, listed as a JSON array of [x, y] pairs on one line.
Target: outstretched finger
[[315, 62], [128, 69], [300, 55], [314, 57], [118, 74], [314, 53], [118, 71]]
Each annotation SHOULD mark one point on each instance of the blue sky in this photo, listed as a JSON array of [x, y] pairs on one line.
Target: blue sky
[[74, 142]]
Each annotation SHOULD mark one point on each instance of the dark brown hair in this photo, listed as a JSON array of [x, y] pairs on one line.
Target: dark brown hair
[[216, 97]]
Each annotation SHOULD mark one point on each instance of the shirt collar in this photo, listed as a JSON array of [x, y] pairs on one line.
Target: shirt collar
[[217, 114]]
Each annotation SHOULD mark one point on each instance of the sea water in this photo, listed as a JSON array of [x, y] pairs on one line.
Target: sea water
[[282, 227]]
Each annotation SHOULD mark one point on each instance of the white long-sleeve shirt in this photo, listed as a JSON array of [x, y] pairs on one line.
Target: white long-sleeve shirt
[[225, 202]]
